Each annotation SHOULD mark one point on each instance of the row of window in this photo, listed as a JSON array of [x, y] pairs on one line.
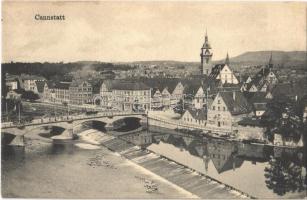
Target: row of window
[[219, 108], [193, 120]]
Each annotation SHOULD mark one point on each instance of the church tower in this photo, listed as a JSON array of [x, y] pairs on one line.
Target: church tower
[[206, 57]]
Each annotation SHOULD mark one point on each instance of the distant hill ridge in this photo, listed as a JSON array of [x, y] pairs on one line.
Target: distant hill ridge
[[279, 57], [287, 58]]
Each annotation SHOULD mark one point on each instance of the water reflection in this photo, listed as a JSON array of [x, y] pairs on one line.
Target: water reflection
[[275, 169], [284, 174]]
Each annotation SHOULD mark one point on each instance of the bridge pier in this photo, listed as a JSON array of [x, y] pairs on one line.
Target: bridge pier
[[144, 122], [109, 127], [19, 140]]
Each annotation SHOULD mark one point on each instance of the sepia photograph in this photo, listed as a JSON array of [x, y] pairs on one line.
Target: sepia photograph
[[153, 99]]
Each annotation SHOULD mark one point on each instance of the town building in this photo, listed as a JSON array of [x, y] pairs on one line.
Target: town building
[[206, 57], [11, 82], [195, 95], [223, 73], [28, 82], [80, 92], [196, 117], [125, 95], [264, 80], [171, 90], [227, 108], [156, 99], [56, 92], [259, 101]]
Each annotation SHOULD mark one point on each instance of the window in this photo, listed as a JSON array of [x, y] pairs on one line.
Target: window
[[224, 108], [218, 101], [213, 108], [218, 108]]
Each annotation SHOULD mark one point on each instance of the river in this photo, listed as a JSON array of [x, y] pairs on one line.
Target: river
[[42, 170]]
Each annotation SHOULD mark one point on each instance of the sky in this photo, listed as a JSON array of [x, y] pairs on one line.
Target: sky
[[140, 30]]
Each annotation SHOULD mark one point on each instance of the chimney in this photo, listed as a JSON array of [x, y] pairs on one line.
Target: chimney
[[234, 95]]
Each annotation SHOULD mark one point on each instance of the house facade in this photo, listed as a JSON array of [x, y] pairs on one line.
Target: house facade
[[195, 117], [80, 92], [227, 108], [125, 95], [223, 73], [156, 99], [12, 84], [28, 82], [199, 100], [176, 95], [57, 92]]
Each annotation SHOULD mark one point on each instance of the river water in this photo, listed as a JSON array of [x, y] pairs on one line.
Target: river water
[[261, 171]]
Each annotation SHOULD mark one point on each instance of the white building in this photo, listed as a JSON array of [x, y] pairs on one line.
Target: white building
[[223, 73]]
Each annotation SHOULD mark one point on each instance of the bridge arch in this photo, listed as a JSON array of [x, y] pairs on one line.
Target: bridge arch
[[48, 131], [7, 138], [127, 123], [90, 124], [80, 122]]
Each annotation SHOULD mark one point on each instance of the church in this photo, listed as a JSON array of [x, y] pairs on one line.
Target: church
[[218, 72]]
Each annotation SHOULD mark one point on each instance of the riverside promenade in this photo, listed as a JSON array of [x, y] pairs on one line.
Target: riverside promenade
[[190, 180]]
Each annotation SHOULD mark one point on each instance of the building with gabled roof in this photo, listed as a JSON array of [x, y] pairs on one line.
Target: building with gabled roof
[[196, 117], [223, 73], [227, 108], [172, 90], [156, 99]]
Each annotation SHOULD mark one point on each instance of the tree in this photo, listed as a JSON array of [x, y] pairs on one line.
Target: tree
[[29, 95], [282, 117]]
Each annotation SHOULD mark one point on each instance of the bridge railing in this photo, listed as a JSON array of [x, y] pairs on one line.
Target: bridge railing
[[69, 118]]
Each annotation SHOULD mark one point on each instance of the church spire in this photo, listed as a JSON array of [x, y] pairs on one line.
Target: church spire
[[206, 44], [271, 60], [227, 59]]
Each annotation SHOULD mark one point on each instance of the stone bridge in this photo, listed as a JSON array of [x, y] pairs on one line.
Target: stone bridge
[[69, 123]]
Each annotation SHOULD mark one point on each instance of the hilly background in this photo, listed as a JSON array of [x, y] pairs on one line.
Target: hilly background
[[296, 59], [292, 58]]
